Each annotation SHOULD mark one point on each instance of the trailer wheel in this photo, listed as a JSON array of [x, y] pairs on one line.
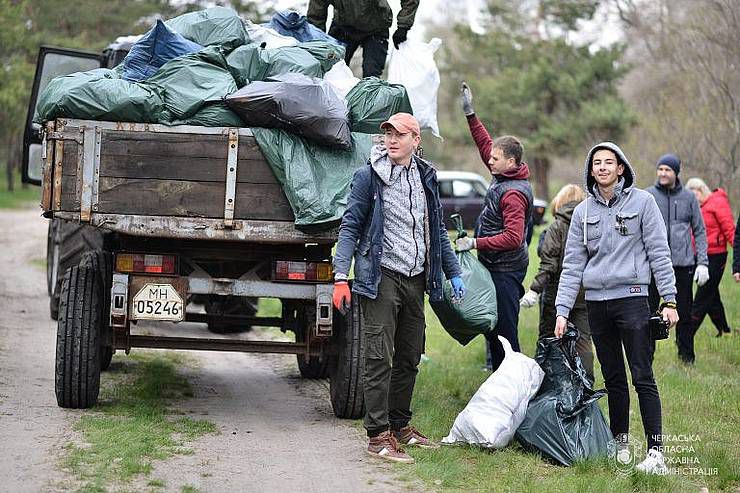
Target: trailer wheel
[[317, 366], [77, 369], [66, 243], [101, 262], [345, 379]]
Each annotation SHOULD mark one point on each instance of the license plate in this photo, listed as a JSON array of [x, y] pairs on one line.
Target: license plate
[[158, 302]]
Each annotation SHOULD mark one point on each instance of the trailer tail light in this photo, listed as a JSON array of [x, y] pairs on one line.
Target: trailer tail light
[[284, 270], [141, 263]]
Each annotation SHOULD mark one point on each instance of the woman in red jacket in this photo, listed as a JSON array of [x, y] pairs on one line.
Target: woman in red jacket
[[718, 219]]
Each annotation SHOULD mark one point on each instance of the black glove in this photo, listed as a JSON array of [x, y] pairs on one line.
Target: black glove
[[400, 36]]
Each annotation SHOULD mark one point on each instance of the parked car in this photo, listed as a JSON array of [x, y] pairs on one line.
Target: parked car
[[463, 192]]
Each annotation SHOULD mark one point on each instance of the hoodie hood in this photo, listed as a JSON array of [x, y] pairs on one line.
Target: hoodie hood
[[718, 195], [518, 173], [629, 173]]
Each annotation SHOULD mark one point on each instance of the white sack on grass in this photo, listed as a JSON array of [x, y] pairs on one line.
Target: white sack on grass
[[412, 65], [341, 79], [498, 407]]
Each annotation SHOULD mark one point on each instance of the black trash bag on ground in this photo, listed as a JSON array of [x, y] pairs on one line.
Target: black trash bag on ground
[[215, 26], [476, 313], [315, 179], [563, 421], [189, 82], [299, 104], [372, 101]]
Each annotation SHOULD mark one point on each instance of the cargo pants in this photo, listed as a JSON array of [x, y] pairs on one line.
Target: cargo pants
[[393, 332]]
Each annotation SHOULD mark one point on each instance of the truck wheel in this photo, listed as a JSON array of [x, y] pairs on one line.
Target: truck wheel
[[316, 367], [345, 378], [229, 305], [101, 262], [66, 243], [77, 370]]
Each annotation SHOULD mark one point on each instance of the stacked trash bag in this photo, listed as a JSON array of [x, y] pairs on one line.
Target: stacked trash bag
[[286, 80]]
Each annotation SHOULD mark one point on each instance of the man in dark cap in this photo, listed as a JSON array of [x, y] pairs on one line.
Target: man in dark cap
[[685, 228]]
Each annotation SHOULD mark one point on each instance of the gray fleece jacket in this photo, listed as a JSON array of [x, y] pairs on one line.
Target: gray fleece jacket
[[613, 247]]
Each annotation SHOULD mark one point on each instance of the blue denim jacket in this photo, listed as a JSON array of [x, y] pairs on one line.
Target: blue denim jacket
[[361, 234]]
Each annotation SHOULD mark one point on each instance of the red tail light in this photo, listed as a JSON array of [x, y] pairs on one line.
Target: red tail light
[[142, 263], [284, 270]]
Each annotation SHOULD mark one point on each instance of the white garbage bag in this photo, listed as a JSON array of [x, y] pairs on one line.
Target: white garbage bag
[[494, 413], [341, 79], [272, 39], [412, 65]]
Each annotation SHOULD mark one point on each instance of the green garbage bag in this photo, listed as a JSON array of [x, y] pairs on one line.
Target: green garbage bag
[[212, 115], [563, 421], [215, 26], [477, 312], [246, 64], [372, 101], [291, 59], [187, 83], [315, 179], [98, 94], [326, 53]]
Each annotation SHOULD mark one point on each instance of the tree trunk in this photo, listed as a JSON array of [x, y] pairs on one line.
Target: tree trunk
[[539, 170], [9, 161]]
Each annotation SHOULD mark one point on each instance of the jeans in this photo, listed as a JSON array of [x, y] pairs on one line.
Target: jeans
[[684, 295], [394, 340], [509, 290], [623, 323], [707, 300]]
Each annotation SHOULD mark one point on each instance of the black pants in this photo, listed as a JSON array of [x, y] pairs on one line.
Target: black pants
[[374, 53], [707, 300], [394, 340], [624, 323], [509, 290], [684, 296]]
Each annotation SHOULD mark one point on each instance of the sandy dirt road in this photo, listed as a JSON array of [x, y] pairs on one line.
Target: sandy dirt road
[[277, 432]]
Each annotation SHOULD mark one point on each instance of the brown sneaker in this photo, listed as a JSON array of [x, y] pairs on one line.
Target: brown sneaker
[[408, 435], [386, 447]]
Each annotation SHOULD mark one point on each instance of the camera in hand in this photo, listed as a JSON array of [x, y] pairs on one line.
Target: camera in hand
[[659, 327]]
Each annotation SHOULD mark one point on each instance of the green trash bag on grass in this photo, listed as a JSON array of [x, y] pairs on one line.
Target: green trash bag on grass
[[476, 313], [372, 101], [315, 178]]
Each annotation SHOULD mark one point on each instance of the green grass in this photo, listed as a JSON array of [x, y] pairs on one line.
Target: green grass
[[19, 197], [702, 400], [131, 427]]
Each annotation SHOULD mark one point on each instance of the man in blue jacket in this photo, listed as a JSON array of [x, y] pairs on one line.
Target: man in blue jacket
[[685, 228], [393, 228], [616, 241]]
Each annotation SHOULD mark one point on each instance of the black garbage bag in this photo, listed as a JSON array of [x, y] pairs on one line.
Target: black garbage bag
[[563, 421], [476, 313], [302, 105], [315, 179], [372, 101]]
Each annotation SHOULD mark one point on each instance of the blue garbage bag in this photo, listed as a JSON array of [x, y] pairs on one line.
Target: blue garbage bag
[[292, 23], [160, 45]]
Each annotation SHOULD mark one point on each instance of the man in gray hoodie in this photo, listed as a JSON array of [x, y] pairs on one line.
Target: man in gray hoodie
[[616, 240], [685, 226]]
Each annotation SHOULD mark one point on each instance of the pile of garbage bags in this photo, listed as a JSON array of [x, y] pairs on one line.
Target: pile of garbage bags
[[212, 68]]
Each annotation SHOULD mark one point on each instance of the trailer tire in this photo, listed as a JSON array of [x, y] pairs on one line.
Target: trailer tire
[[77, 368], [345, 379], [66, 243], [101, 262], [317, 366]]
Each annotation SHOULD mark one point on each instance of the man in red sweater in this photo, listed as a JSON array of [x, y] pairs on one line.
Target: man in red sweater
[[500, 235]]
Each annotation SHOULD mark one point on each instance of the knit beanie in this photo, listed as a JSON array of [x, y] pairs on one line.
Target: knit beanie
[[670, 160]]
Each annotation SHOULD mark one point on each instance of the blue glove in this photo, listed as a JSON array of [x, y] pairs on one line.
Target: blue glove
[[458, 287]]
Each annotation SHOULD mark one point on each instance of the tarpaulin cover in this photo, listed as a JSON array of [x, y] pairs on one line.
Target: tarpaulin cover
[[154, 49], [215, 26], [98, 94], [476, 313], [305, 106], [326, 53], [187, 83], [315, 179], [292, 23], [563, 421], [372, 101], [291, 59], [246, 64]]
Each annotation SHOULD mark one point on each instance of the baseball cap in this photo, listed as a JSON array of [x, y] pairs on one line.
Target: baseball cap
[[403, 123]]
